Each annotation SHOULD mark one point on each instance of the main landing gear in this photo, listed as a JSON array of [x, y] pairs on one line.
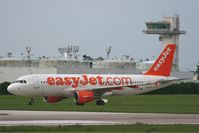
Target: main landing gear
[[101, 102], [79, 104], [32, 100]]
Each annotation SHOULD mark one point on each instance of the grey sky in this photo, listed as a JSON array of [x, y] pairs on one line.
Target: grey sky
[[46, 25]]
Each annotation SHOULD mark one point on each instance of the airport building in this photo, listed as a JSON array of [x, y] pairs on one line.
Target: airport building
[[69, 63], [169, 31]]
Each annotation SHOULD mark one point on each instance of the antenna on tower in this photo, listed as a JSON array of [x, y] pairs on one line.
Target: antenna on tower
[[108, 51], [28, 50], [69, 51]]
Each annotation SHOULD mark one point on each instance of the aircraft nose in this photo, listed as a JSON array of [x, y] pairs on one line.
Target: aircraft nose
[[12, 89]]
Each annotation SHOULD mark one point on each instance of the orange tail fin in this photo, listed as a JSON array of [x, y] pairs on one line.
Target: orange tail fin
[[163, 65]]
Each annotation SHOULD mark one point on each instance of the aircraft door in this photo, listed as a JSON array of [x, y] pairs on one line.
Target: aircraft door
[[36, 82]]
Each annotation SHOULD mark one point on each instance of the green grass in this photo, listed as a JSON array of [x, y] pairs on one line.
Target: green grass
[[138, 103], [114, 128]]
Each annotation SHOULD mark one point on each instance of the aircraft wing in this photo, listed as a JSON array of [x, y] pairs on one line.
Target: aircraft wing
[[103, 89], [173, 80]]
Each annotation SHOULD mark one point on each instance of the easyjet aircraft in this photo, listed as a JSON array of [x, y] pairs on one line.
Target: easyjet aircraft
[[86, 88]]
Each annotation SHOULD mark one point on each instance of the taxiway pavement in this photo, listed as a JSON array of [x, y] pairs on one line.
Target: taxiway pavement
[[45, 118]]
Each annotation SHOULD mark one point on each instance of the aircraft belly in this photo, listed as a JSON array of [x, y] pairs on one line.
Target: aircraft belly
[[125, 91], [51, 91]]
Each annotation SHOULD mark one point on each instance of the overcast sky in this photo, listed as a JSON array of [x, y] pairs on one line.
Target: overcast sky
[[46, 25]]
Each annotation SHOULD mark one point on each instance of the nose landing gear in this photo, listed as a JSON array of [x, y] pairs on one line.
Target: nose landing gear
[[32, 100]]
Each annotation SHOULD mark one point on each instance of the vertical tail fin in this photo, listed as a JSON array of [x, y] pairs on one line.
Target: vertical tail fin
[[163, 65]]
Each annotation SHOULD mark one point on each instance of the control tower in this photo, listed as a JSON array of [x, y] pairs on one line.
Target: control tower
[[168, 30]]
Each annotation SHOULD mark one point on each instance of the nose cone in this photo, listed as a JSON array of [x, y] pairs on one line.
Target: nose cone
[[12, 89]]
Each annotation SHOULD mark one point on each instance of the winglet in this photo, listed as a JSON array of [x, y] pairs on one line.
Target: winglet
[[163, 64]]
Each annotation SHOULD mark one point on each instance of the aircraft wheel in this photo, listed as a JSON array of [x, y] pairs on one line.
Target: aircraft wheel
[[78, 104], [32, 100], [100, 102]]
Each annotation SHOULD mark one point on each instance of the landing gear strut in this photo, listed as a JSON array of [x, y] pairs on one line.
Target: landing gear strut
[[32, 100], [101, 102]]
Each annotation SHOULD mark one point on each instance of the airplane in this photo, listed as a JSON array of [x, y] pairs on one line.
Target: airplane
[[85, 88]]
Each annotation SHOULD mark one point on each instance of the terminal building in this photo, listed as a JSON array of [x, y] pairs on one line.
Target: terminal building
[[69, 63]]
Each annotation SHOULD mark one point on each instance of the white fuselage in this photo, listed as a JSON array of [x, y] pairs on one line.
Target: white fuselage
[[64, 85]]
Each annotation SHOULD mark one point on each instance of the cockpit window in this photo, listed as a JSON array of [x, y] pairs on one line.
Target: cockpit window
[[20, 81]]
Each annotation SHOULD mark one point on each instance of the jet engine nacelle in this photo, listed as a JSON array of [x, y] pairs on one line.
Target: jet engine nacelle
[[82, 97], [52, 99]]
